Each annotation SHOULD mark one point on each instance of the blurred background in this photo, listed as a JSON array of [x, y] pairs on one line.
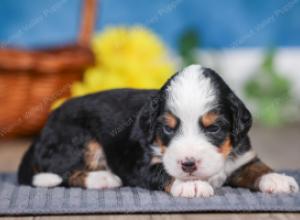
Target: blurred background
[[53, 50]]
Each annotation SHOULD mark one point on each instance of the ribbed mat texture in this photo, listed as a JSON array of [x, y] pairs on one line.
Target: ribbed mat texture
[[25, 200]]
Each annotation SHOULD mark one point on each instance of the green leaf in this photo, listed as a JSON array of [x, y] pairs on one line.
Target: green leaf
[[189, 41]]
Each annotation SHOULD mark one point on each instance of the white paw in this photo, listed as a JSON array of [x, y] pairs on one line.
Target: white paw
[[102, 180], [277, 183], [46, 180], [194, 188]]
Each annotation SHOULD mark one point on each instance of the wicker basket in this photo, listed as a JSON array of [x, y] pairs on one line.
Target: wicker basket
[[31, 80]]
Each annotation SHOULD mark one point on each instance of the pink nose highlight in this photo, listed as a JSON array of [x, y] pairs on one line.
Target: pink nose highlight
[[189, 165]]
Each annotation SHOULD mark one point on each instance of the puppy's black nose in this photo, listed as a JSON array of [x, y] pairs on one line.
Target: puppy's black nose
[[188, 166]]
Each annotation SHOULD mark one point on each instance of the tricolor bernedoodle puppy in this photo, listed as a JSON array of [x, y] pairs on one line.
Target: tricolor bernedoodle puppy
[[187, 138]]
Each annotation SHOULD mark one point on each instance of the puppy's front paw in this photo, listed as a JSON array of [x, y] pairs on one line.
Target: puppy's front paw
[[189, 189], [277, 183], [102, 180]]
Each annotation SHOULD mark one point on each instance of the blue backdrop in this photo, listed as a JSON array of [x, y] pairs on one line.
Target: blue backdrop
[[230, 23]]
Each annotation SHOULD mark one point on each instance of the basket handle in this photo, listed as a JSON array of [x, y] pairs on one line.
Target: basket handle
[[88, 17]]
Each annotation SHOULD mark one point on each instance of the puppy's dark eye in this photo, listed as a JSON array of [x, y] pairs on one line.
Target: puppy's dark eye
[[168, 130], [213, 128]]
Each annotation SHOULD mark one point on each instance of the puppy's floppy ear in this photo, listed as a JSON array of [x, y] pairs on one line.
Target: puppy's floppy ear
[[145, 123], [241, 119]]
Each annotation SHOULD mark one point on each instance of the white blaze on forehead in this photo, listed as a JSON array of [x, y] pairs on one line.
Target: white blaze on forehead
[[190, 94]]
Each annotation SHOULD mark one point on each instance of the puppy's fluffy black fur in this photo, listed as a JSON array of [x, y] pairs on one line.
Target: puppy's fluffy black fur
[[108, 117], [126, 123]]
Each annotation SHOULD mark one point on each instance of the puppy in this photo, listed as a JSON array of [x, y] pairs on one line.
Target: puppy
[[187, 138]]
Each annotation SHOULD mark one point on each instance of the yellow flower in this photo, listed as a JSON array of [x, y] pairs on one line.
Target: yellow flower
[[125, 57]]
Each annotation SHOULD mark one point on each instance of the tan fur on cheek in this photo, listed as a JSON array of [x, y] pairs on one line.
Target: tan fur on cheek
[[170, 120], [225, 148], [209, 119], [94, 156], [159, 143]]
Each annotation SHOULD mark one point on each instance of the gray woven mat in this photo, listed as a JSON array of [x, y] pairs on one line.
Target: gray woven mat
[[25, 200]]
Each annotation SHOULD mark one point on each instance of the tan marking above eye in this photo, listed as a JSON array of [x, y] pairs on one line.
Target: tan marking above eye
[[209, 119], [170, 120]]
